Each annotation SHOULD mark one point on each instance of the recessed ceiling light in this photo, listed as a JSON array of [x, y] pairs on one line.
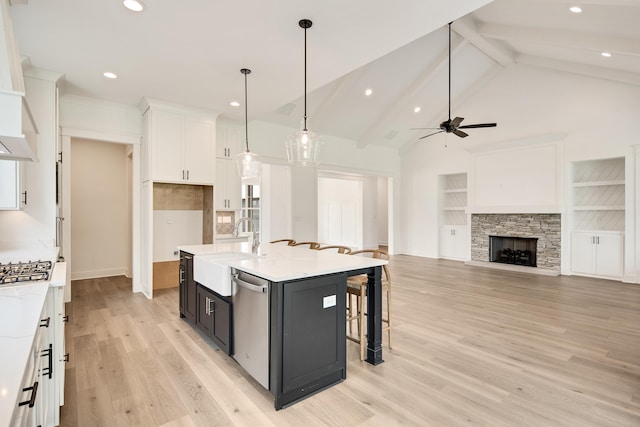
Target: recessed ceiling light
[[135, 5], [416, 110], [606, 54], [575, 9], [234, 103], [368, 92], [110, 75]]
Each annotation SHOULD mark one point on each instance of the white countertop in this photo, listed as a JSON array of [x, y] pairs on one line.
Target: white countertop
[[279, 262], [20, 308]]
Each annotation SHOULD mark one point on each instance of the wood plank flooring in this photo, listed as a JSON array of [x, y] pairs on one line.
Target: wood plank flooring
[[472, 346]]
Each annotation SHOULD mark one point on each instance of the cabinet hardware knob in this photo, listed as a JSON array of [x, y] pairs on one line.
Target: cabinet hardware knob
[[45, 322], [24, 200], [65, 319], [65, 358], [187, 175]]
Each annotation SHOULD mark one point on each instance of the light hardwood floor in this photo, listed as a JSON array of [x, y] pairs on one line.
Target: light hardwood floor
[[472, 346]]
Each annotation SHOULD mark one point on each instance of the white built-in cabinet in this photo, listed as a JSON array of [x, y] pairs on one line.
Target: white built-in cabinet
[[598, 217], [179, 144], [227, 191], [597, 253], [453, 242]]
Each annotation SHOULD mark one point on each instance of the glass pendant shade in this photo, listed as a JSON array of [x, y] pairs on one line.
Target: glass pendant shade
[[247, 163], [303, 148]]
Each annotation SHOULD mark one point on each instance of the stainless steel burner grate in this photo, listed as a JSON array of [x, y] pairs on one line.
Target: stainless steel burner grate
[[31, 271]]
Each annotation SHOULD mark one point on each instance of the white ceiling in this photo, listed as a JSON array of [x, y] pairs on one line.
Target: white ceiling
[[191, 51]]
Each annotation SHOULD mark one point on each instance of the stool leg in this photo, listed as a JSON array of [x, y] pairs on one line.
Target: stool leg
[[361, 333]]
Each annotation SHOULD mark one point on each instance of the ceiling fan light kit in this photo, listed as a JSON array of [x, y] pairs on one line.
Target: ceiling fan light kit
[[303, 147], [453, 126], [248, 163]]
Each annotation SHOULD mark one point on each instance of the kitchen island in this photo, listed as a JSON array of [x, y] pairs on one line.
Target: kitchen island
[[304, 320]]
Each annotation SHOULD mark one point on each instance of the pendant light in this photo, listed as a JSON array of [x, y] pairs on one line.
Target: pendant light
[[303, 147], [247, 162]]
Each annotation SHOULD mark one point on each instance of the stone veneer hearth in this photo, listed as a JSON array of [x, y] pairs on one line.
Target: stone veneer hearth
[[544, 227]]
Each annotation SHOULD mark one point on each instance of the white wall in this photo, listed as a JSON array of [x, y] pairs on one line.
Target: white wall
[[100, 238], [340, 211], [597, 117], [336, 154], [383, 211], [173, 228]]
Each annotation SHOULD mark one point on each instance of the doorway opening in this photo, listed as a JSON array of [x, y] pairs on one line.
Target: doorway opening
[[100, 215]]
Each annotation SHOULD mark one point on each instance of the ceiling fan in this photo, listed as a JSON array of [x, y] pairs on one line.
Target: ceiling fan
[[453, 126]]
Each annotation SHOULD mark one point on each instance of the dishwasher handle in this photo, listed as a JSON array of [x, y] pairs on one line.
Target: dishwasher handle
[[250, 286]]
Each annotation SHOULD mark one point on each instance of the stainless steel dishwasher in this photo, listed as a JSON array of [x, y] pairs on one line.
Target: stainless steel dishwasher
[[251, 325]]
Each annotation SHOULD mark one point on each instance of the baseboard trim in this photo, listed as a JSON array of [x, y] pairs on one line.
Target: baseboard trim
[[95, 274]]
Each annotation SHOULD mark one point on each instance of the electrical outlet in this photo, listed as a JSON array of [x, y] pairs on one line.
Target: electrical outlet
[[176, 252]]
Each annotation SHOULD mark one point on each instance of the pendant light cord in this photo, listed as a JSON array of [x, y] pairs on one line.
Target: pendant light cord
[[246, 114], [449, 72], [305, 79], [246, 71]]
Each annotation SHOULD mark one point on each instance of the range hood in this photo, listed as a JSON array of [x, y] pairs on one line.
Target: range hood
[[18, 131]]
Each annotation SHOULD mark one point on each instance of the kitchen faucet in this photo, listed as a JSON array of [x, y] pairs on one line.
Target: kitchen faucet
[[256, 235]]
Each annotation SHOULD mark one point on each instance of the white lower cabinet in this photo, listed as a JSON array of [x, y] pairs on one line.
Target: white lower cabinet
[[43, 382], [34, 399], [598, 253], [454, 242]]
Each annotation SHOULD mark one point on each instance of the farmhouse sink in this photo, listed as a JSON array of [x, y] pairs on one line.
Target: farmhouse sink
[[213, 271]]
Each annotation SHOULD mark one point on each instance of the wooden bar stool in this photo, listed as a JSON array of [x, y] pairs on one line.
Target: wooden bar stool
[[312, 245], [357, 286], [338, 248], [289, 242]]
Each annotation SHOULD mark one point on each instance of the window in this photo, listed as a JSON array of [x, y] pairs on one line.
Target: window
[[250, 207]]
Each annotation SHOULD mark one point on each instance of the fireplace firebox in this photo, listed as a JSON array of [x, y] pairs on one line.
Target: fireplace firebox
[[513, 250]]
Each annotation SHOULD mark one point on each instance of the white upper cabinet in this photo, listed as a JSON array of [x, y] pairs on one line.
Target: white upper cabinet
[[179, 144], [229, 143], [227, 191]]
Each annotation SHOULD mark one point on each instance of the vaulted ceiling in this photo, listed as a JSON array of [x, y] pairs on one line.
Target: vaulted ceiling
[[190, 52]]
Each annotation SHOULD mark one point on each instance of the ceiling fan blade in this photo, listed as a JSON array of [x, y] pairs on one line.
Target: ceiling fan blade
[[456, 122], [460, 133], [479, 125], [423, 137], [423, 128]]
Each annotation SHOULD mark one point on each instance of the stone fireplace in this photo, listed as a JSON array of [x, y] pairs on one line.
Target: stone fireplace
[[541, 230]]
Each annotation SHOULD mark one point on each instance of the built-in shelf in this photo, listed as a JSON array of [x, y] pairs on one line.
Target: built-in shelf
[[598, 195], [453, 199], [598, 183], [599, 208]]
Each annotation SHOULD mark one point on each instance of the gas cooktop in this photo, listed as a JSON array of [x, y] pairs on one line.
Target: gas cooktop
[[32, 271]]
